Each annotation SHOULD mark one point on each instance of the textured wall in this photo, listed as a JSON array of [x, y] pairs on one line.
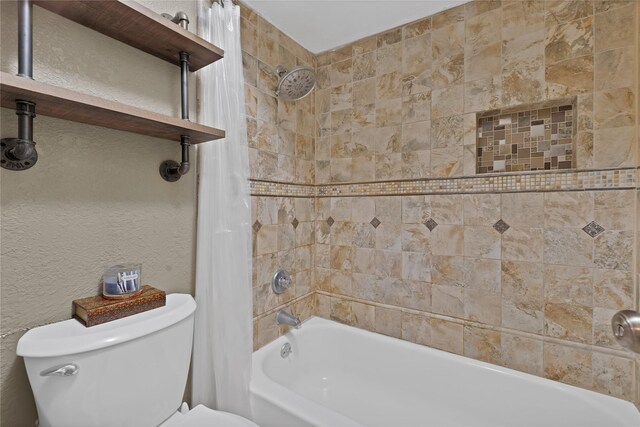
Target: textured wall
[[95, 198]]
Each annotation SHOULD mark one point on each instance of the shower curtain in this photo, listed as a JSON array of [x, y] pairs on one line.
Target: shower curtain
[[223, 333]]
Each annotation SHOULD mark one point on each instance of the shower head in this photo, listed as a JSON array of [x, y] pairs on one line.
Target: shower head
[[295, 83]]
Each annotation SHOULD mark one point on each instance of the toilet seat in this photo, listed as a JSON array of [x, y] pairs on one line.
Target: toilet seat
[[201, 416]]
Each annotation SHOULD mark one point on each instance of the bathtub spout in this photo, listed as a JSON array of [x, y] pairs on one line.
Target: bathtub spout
[[284, 318]]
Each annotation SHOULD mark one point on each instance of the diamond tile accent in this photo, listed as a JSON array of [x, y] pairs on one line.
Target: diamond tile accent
[[375, 222], [431, 224], [295, 223], [257, 226], [593, 229], [501, 226], [330, 221]]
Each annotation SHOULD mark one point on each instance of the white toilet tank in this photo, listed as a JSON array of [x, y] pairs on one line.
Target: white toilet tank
[[130, 372]]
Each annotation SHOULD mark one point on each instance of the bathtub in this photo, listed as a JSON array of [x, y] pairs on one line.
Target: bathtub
[[340, 376]]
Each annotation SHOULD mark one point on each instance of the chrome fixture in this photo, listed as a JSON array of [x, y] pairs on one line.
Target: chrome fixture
[[284, 318], [170, 170], [180, 18], [626, 328], [65, 370], [20, 153], [281, 281], [296, 83], [285, 350]]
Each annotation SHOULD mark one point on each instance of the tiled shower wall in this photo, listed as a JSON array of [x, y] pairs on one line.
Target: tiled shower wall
[[506, 276], [538, 297], [281, 150], [401, 105]]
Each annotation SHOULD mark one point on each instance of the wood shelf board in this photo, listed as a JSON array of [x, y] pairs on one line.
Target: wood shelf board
[[137, 26], [78, 107]]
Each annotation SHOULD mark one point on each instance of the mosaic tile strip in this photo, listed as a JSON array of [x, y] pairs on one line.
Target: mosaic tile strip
[[535, 139], [508, 183], [502, 183], [269, 188]]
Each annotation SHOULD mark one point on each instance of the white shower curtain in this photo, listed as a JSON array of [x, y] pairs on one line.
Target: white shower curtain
[[223, 322]]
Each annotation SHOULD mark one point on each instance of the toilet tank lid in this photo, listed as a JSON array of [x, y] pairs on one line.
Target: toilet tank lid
[[71, 337]]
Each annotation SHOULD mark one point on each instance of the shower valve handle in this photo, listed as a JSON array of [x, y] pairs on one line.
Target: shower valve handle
[[281, 281]]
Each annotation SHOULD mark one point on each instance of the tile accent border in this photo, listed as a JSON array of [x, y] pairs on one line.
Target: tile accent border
[[280, 189], [544, 181]]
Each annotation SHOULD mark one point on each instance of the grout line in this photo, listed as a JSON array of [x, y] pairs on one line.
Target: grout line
[[281, 306]]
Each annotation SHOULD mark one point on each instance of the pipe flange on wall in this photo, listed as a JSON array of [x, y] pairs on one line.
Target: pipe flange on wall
[[20, 153], [171, 170], [168, 170], [16, 155]]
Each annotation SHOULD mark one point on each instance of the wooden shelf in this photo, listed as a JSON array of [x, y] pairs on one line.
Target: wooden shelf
[[137, 26], [78, 107]]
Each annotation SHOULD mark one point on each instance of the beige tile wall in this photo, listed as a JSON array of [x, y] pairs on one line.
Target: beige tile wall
[[526, 298], [401, 105], [281, 149], [283, 237], [281, 134], [638, 190]]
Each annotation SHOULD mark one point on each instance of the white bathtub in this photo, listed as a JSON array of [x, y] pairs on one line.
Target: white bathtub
[[340, 376]]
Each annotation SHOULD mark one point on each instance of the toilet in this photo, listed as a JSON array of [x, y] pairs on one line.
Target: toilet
[[127, 372]]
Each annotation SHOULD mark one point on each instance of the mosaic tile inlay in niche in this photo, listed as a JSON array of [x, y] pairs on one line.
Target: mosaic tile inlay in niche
[[536, 139]]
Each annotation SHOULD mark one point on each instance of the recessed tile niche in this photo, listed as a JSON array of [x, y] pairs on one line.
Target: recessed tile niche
[[526, 138]]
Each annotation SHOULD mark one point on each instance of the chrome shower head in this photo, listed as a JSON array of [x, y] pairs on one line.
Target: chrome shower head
[[295, 83]]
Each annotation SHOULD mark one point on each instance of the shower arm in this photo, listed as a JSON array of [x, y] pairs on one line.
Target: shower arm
[[20, 153], [171, 170]]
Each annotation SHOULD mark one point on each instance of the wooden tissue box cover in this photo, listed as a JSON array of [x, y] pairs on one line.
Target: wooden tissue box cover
[[93, 311]]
